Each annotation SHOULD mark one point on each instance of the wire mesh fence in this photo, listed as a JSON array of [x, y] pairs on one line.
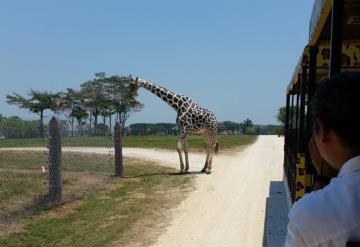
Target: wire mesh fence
[[37, 170], [23, 180]]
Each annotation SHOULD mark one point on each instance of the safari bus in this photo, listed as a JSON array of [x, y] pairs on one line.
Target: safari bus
[[333, 46]]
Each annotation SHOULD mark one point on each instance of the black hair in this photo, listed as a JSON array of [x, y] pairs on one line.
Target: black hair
[[337, 104]]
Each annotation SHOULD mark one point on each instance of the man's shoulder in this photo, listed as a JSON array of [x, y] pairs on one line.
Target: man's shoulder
[[320, 202], [324, 214], [312, 204]]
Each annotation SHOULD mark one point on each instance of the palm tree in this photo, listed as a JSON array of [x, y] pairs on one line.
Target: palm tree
[[80, 114], [68, 101], [247, 123], [94, 94]]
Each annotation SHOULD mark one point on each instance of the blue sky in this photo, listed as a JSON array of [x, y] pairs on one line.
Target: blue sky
[[233, 57]]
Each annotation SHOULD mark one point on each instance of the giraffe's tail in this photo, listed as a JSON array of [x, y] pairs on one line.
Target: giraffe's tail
[[217, 148]]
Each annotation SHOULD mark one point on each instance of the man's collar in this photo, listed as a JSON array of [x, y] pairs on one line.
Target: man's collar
[[350, 166]]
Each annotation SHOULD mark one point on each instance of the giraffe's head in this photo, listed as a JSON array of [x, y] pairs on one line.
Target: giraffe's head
[[134, 85]]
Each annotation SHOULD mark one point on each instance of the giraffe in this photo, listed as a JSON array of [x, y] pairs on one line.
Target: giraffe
[[191, 119]]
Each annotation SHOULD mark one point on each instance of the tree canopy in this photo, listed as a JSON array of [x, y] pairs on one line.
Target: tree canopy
[[247, 123], [281, 114], [101, 96], [37, 103]]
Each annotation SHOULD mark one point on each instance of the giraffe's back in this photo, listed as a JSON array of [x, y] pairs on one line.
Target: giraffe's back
[[197, 119]]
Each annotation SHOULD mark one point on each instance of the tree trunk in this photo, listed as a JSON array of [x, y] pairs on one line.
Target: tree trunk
[[110, 123], [81, 128], [122, 120], [90, 120], [72, 126], [95, 121], [42, 123], [104, 122]]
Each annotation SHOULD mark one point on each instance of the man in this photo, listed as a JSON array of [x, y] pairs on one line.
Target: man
[[331, 216], [324, 171]]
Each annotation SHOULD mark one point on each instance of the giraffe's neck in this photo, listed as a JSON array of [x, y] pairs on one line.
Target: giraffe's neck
[[165, 94]]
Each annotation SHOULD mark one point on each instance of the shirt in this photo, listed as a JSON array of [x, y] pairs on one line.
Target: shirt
[[330, 216]]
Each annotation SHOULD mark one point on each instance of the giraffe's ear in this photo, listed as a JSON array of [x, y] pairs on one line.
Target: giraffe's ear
[[130, 77], [137, 78]]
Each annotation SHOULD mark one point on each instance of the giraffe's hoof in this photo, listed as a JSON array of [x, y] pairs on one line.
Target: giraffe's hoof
[[208, 172], [203, 170]]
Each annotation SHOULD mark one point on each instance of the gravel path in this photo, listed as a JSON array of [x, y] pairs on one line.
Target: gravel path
[[228, 206]]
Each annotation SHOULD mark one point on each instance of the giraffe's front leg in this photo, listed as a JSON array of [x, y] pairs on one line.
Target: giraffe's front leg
[[179, 149]]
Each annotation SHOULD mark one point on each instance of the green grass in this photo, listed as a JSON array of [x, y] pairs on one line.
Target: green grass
[[234, 141], [112, 215], [29, 142], [167, 142], [33, 160], [15, 185], [21, 179]]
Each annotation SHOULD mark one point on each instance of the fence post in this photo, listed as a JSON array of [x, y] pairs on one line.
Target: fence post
[[54, 161], [119, 169]]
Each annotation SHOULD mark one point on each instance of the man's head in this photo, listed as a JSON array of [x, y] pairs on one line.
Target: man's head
[[335, 111]]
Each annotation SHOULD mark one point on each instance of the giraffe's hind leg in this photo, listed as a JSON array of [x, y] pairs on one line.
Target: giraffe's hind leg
[[206, 162], [208, 170], [180, 149], [211, 142], [209, 159], [208, 145]]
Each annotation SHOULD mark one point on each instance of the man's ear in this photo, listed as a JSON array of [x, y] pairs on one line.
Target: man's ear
[[323, 132]]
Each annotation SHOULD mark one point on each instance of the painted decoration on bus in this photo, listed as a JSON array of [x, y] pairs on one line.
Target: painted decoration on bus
[[350, 55], [300, 176]]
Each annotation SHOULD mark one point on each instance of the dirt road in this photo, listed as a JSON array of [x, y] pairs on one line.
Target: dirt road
[[227, 208]]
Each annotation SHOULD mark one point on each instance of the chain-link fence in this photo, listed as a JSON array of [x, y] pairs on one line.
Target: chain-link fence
[[37, 170]]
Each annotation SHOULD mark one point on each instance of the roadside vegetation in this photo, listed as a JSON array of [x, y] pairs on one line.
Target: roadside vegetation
[[99, 209]]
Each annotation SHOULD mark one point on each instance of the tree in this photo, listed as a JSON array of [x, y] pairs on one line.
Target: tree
[[138, 129], [247, 123], [68, 101], [80, 114], [122, 98], [93, 93], [102, 128], [281, 115], [15, 127], [231, 126], [37, 103]]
